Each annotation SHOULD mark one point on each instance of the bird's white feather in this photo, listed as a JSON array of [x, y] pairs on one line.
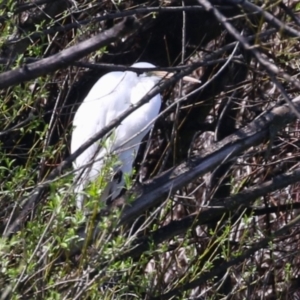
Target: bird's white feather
[[110, 96]]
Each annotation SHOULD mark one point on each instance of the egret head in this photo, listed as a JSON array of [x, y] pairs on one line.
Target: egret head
[[145, 65], [142, 65], [160, 74]]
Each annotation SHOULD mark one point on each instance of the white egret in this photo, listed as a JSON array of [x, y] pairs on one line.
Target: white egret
[[113, 94]]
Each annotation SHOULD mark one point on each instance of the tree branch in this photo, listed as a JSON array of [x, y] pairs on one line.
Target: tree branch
[[234, 261], [223, 151], [229, 206], [270, 68], [67, 56], [32, 200]]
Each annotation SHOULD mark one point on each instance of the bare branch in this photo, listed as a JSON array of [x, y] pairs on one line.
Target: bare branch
[[66, 57], [271, 68], [229, 205], [225, 150], [219, 269], [29, 203], [272, 20]]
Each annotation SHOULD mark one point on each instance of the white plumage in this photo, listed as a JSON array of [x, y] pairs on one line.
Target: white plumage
[[112, 94]]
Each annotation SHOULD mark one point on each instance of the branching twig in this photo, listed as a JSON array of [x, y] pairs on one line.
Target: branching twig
[[230, 205], [271, 68], [227, 149], [33, 199], [67, 56], [234, 261]]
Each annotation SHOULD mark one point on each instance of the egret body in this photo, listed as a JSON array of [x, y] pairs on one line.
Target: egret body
[[113, 94]]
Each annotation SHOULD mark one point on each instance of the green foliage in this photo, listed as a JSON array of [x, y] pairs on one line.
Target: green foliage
[[58, 252]]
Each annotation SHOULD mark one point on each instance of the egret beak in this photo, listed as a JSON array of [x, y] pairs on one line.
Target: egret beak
[[164, 74]]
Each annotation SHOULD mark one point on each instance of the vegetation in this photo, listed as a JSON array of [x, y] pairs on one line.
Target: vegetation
[[216, 215]]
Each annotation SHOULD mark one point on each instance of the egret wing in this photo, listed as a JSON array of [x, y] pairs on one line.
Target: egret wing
[[96, 111], [138, 124], [92, 113]]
